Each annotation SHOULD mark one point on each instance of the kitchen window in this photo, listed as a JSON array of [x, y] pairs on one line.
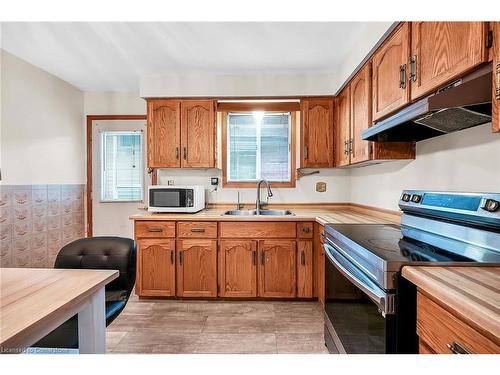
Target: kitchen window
[[258, 146], [122, 166]]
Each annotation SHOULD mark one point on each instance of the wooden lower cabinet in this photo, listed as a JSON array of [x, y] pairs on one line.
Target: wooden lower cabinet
[[320, 263], [495, 101], [197, 268], [156, 267], [277, 269], [305, 269], [238, 268]]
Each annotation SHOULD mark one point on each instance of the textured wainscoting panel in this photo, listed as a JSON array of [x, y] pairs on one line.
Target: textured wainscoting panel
[[36, 221]]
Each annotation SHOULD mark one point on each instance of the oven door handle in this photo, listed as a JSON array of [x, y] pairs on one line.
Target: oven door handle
[[383, 300]]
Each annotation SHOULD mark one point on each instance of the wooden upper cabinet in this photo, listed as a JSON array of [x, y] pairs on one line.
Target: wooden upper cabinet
[[277, 269], [361, 116], [317, 133], [198, 133], [390, 83], [238, 268], [156, 267], [495, 120], [442, 51], [305, 269], [164, 133], [197, 268], [342, 127]]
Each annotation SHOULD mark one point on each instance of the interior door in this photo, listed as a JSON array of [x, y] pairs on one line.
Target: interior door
[[109, 216], [164, 133], [277, 268], [342, 127], [156, 266], [361, 117], [198, 134], [197, 268], [442, 51], [390, 77], [238, 268], [317, 133]]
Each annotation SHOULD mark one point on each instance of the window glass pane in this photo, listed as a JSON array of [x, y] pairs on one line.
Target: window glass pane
[[258, 146], [121, 166], [242, 147], [274, 147]]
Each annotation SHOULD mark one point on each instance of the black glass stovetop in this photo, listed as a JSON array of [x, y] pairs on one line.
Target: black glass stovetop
[[387, 243]]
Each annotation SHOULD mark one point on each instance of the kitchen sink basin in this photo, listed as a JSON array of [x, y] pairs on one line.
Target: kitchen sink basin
[[262, 213]]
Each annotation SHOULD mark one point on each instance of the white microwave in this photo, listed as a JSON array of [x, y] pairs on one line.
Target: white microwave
[[176, 198]]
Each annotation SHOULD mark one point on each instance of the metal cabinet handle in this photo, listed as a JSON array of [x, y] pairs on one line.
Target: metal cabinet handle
[[306, 229], [254, 257], [303, 258], [198, 230], [413, 68], [497, 81], [350, 146], [402, 76], [171, 257], [177, 152], [181, 257], [184, 151], [155, 230], [346, 147], [306, 152], [262, 258], [456, 348]]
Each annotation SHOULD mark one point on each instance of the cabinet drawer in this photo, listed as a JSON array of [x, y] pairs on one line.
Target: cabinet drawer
[[444, 333], [257, 230], [305, 230], [193, 229], [154, 229]]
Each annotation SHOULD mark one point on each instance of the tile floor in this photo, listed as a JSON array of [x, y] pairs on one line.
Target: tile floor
[[258, 327]]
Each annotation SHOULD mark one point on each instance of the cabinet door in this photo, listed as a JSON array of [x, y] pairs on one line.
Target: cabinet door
[[238, 268], [155, 267], [317, 133], [164, 134], [361, 117], [495, 101], [305, 269], [320, 263], [442, 51], [342, 127], [198, 134], [197, 268], [277, 269], [390, 83]]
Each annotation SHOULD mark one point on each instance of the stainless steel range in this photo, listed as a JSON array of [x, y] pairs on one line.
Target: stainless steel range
[[369, 307]]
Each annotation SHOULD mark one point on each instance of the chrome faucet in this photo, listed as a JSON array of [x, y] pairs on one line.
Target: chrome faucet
[[258, 203]]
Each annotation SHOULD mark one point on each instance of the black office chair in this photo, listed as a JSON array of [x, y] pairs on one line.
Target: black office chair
[[114, 253]]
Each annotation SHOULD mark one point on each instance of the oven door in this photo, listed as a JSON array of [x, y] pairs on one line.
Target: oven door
[[170, 198], [359, 314]]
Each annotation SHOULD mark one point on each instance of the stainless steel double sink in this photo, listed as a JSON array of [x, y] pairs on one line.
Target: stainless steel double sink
[[261, 213]]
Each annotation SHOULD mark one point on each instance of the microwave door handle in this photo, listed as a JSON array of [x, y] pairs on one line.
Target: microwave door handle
[[384, 301]]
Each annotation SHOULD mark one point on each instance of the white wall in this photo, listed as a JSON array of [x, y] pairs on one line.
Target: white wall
[[42, 137], [113, 103], [238, 85], [463, 161]]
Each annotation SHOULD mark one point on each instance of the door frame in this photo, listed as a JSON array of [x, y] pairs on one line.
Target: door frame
[[88, 141]]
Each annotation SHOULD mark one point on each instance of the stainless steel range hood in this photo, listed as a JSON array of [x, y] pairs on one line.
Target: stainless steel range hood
[[463, 104]]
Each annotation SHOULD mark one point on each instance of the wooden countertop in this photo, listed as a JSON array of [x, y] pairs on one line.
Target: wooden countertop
[[35, 301], [325, 214], [471, 293]]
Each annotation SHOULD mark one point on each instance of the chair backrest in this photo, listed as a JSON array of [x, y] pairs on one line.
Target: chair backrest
[[115, 253]]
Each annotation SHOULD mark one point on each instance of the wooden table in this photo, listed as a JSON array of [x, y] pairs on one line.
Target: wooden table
[[33, 302]]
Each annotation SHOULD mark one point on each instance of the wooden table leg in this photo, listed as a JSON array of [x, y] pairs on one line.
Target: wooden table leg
[[92, 325]]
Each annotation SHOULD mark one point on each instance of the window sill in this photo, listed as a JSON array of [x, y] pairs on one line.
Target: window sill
[[253, 185]]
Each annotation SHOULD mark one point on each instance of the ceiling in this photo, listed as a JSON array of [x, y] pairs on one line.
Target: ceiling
[[113, 56]]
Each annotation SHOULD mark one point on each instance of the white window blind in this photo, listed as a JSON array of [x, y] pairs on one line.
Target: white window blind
[[258, 146], [121, 166]]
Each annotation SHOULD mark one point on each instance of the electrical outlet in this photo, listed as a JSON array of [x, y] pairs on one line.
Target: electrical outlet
[[214, 181], [320, 187], [170, 182]]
